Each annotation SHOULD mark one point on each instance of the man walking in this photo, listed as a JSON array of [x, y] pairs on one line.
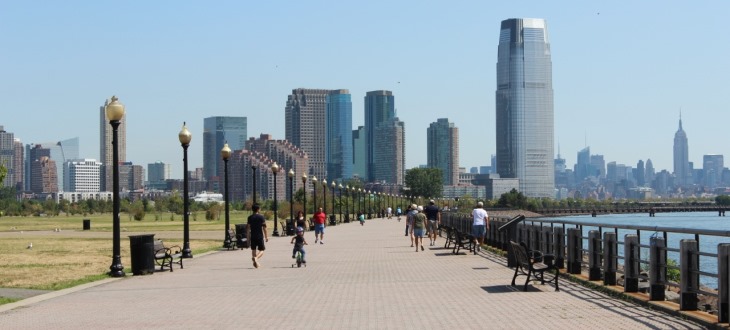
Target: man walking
[[480, 225], [256, 235], [320, 219], [433, 214]]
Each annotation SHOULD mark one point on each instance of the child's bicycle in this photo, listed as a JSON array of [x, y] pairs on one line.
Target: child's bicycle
[[299, 260]]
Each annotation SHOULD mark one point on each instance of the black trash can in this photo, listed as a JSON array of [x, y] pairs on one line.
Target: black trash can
[[241, 242], [142, 248], [333, 220], [87, 224], [290, 231]]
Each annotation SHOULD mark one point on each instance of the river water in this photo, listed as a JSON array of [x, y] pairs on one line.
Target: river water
[[688, 220]]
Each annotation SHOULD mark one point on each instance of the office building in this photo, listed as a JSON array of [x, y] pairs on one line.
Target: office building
[[106, 149], [18, 166], [712, 167], [59, 151], [338, 140], [131, 177], [681, 157], [524, 107], [82, 175], [7, 157], [379, 110], [306, 126], [442, 150], [389, 156], [216, 132], [158, 172], [359, 153], [44, 177]]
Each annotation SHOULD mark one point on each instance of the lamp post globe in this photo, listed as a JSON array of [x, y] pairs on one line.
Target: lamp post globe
[[184, 136], [291, 200], [275, 170], [304, 188], [226, 154], [114, 113]]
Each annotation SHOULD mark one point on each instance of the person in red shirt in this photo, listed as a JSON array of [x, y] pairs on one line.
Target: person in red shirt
[[320, 220]]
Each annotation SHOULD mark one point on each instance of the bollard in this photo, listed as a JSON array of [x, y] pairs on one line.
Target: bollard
[[575, 254], [559, 247], [610, 258], [689, 273], [631, 263], [594, 255], [546, 242], [723, 281], [657, 268], [87, 224]]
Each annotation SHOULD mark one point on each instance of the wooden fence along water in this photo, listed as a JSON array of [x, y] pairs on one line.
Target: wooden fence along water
[[639, 258]]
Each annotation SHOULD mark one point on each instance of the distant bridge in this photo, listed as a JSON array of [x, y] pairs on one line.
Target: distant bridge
[[618, 209]]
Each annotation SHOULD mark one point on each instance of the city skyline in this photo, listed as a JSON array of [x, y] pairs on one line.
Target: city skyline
[[619, 94]]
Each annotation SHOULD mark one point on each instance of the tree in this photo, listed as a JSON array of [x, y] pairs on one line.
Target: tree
[[425, 182], [513, 199], [722, 200], [3, 173]]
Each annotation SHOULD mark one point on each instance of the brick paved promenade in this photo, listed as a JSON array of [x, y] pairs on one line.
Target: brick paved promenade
[[362, 278]]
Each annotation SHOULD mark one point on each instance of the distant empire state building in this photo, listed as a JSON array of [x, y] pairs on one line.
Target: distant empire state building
[[524, 107], [681, 157]]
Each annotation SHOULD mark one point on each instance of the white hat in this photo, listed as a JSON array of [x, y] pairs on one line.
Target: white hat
[[480, 204], [420, 208]]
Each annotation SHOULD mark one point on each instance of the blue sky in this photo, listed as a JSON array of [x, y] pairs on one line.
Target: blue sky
[[622, 70]]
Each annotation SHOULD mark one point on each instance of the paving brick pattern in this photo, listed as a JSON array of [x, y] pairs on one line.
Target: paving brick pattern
[[363, 277]]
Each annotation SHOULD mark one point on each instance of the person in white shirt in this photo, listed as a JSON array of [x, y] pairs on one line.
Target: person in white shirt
[[480, 224]]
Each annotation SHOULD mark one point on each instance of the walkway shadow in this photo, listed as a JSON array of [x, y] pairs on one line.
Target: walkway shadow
[[508, 288]]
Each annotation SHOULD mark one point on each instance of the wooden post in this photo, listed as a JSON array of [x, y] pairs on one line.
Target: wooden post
[[610, 258], [631, 263], [657, 268], [575, 253], [723, 282], [594, 255], [689, 273]]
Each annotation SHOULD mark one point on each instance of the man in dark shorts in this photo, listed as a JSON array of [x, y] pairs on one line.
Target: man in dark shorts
[[256, 234], [433, 214]]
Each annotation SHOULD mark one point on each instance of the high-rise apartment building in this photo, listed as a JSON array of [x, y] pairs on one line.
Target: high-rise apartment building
[[338, 140], [681, 157], [379, 110], [389, 156], [60, 151], [106, 149], [216, 132], [7, 157], [443, 150], [306, 126], [131, 177], [524, 106], [286, 155], [19, 167], [82, 175], [158, 172]]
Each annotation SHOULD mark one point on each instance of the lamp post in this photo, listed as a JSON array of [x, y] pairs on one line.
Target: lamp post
[[253, 180], [274, 170], [359, 200], [332, 217], [314, 188], [226, 154], [368, 204], [340, 188], [184, 136], [291, 197], [324, 196], [115, 112], [347, 203], [304, 187]]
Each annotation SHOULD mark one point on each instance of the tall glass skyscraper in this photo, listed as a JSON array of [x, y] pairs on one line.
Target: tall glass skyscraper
[[524, 106], [379, 110], [305, 126], [216, 132], [339, 134]]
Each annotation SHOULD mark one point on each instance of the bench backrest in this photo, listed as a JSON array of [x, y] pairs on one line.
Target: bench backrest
[[520, 254], [159, 246], [231, 233]]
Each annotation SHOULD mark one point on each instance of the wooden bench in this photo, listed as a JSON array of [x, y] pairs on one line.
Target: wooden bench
[[166, 256], [534, 264]]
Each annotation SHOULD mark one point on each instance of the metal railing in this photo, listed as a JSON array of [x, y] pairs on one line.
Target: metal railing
[[642, 255]]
